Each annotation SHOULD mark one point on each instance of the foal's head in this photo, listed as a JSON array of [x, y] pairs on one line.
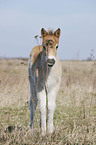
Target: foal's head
[[50, 45]]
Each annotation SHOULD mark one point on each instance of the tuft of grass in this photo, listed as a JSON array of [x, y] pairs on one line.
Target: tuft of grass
[[75, 114]]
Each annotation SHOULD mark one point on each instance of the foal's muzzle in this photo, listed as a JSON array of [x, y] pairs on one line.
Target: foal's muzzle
[[50, 62]]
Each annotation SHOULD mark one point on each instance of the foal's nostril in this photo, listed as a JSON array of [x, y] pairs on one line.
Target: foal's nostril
[[51, 62]]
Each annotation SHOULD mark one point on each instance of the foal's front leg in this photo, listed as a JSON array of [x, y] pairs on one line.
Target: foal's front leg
[[42, 107], [51, 107]]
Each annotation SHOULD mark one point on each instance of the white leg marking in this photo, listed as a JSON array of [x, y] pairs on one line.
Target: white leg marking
[[42, 107], [51, 107]]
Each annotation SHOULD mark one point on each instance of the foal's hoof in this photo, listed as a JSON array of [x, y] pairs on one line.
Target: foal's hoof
[[43, 133], [51, 129]]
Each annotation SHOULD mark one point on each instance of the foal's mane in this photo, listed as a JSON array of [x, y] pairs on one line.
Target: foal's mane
[[50, 32]]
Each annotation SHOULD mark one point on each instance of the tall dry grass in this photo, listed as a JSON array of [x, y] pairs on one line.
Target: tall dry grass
[[75, 114]]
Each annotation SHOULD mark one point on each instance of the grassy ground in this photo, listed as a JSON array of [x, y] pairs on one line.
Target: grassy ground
[[75, 114]]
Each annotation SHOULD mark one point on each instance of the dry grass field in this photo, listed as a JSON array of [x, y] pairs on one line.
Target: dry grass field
[[75, 114]]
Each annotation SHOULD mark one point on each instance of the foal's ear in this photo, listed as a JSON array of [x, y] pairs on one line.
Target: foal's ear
[[43, 32], [57, 32]]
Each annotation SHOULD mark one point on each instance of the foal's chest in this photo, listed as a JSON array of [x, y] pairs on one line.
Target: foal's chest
[[52, 79]]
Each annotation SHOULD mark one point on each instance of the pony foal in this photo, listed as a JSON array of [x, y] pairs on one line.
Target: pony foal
[[44, 77]]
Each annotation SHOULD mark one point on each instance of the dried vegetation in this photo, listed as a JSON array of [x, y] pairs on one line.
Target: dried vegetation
[[75, 114]]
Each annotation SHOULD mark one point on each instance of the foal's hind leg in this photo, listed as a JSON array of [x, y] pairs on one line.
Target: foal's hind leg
[[33, 105], [33, 102]]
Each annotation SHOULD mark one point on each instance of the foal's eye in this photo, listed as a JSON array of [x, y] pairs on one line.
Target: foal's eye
[[46, 44], [56, 46], [44, 47]]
